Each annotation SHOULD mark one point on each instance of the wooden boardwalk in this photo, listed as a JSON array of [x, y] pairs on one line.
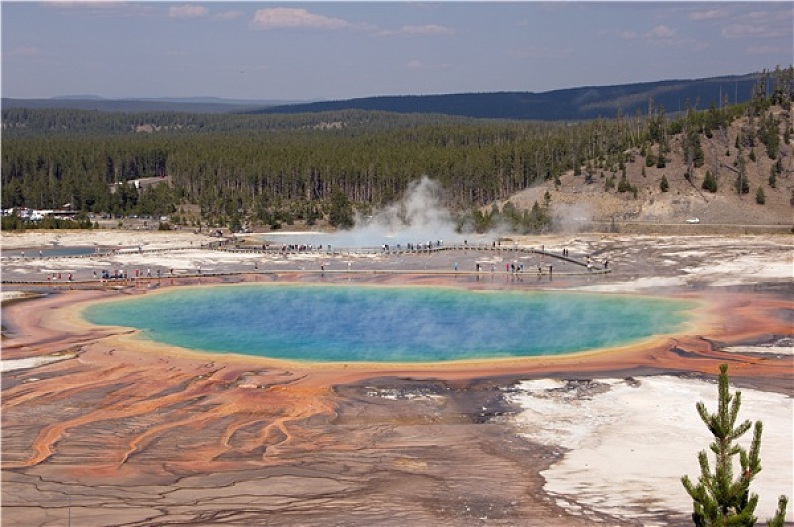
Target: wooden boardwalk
[[585, 266]]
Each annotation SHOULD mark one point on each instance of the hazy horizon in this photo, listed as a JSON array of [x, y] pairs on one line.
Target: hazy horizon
[[302, 51], [232, 101]]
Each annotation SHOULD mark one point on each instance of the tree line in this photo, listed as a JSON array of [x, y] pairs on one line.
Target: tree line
[[275, 169], [265, 173]]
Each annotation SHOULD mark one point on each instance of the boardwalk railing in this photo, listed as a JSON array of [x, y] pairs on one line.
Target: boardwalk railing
[[310, 249], [399, 249]]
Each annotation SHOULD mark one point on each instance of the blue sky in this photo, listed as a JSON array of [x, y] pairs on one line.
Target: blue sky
[[338, 50]]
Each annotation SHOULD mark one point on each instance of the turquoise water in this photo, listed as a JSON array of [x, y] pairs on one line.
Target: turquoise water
[[51, 252], [408, 324]]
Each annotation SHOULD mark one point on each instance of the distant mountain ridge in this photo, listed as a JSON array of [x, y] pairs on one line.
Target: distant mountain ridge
[[572, 104], [136, 105]]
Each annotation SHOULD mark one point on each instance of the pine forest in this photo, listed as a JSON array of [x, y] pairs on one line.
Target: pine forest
[[269, 170]]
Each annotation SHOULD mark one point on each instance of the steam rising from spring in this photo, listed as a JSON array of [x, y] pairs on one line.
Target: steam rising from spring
[[572, 218], [418, 218]]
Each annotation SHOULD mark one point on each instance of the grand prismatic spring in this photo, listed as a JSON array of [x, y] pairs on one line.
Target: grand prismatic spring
[[406, 398], [383, 324]]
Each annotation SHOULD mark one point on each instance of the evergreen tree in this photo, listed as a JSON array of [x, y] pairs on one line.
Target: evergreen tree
[[760, 197], [742, 183], [718, 499], [710, 182], [341, 210], [769, 133], [623, 184], [693, 150], [664, 185]]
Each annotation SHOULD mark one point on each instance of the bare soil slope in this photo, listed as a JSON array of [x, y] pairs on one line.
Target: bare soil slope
[[576, 203]]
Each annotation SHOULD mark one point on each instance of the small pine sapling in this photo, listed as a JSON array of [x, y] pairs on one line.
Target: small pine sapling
[[718, 499]]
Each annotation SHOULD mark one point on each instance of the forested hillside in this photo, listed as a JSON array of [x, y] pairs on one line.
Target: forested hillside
[[266, 170], [28, 122], [572, 104]]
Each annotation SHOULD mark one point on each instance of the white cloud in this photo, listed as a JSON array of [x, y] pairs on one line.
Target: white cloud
[[772, 29], [665, 36], [709, 14], [293, 18], [229, 15], [743, 30], [187, 11], [427, 30], [661, 31], [762, 24], [758, 15], [763, 50], [417, 64]]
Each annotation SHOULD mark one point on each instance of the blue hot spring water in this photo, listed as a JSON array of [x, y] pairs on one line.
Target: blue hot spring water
[[382, 324]]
